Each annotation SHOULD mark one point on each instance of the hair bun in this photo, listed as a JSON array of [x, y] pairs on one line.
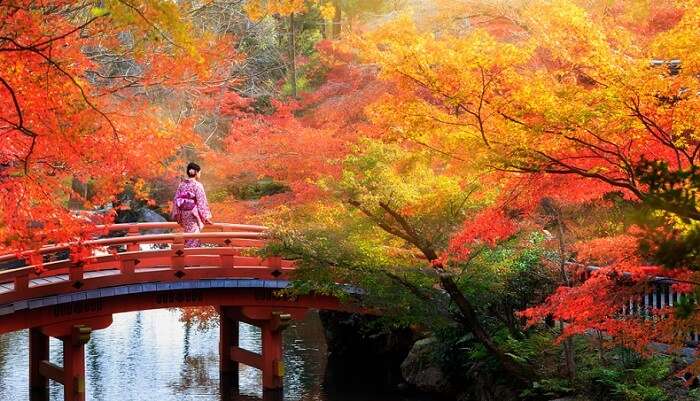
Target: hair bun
[[192, 172]]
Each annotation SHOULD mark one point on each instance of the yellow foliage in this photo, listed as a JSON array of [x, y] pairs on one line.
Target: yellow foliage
[[533, 81], [258, 9], [327, 11]]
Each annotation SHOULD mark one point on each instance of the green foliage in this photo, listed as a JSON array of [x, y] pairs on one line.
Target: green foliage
[[694, 394], [381, 175], [547, 388], [258, 189], [302, 86], [685, 306], [506, 279], [672, 190], [355, 256], [247, 188], [99, 11], [670, 202], [629, 377]]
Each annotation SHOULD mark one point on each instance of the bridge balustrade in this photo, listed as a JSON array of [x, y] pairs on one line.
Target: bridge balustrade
[[658, 294]]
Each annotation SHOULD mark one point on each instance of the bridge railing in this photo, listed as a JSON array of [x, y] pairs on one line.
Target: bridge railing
[[131, 230], [96, 264], [657, 294]]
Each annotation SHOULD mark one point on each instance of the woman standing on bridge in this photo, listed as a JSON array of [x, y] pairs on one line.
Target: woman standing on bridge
[[190, 207]]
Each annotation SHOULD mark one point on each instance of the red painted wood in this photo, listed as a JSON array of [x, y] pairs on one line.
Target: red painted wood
[[147, 276], [133, 231], [21, 284], [266, 313], [242, 238], [246, 357], [51, 371], [74, 366], [38, 352], [272, 363], [256, 306], [83, 310], [228, 338], [66, 328]]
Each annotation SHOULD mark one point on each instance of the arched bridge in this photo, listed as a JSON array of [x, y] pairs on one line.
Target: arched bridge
[[77, 287]]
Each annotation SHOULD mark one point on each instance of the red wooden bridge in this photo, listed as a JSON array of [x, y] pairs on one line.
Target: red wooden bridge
[[79, 286]]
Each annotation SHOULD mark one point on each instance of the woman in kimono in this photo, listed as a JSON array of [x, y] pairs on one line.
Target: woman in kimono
[[190, 207]]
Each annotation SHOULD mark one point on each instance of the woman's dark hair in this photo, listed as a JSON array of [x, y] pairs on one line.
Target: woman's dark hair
[[193, 169]]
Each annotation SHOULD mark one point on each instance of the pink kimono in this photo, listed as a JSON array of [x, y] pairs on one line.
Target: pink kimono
[[190, 208]]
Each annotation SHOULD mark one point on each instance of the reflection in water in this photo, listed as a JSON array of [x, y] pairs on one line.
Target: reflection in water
[[195, 374], [152, 356]]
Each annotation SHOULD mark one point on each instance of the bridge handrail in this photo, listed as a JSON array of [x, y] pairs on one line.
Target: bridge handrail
[[173, 225], [10, 274], [230, 244], [131, 238], [137, 239]]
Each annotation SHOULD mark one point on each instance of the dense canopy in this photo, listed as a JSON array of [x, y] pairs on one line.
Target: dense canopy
[[490, 165]]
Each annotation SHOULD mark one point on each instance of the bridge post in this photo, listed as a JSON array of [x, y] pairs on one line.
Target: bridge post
[[272, 362], [133, 231], [74, 363], [177, 259], [228, 368], [38, 352]]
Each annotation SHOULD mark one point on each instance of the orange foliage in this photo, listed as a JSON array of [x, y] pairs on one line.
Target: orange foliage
[[487, 228], [67, 114], [300, 142]]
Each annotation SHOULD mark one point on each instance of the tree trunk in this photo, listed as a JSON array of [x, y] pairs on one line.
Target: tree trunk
[[292, 56], [518, 370], [337, 20], [569, 351], [469, 318]]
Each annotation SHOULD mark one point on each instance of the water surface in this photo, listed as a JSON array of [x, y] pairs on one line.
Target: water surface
[[152, 356]]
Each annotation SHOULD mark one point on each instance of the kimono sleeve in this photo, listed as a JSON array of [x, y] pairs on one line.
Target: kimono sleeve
[[174, 210], [202, 204]]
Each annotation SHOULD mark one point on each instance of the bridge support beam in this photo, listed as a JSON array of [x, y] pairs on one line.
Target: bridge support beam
[[271, 323], [74, 363], [272, 362], [38, 352], [74, 335], [228, 368]]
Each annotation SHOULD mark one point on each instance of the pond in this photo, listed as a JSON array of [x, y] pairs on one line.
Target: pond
[[152, 356]]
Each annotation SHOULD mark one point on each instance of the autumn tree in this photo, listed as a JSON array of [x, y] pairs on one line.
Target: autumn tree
[[289, 10], [563, 109], [583, 102], [84, 94], [386, 226]]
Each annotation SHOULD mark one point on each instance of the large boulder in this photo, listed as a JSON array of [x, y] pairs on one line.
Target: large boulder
[[423, 371], [141, 215], [146, 215]]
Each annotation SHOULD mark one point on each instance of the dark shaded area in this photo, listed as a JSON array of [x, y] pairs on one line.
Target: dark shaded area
[[361, 355]]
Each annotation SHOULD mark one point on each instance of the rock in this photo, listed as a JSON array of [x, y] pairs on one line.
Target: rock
[[141, 215], [146, 215], [362, 356], [423, 371], [482, 384]]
